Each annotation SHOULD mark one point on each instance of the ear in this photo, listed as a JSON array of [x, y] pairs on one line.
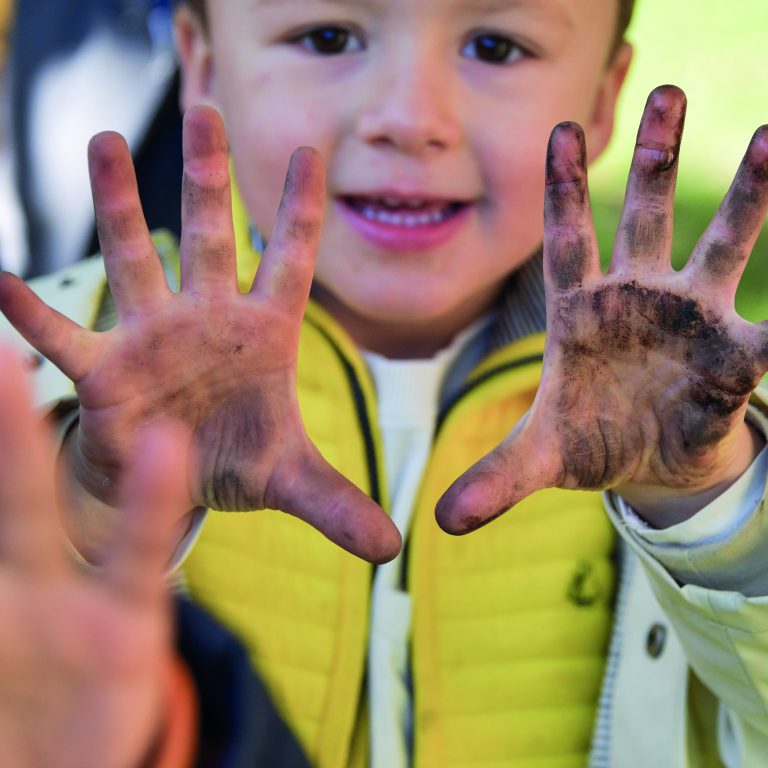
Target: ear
[[604, 110], [195, 57]]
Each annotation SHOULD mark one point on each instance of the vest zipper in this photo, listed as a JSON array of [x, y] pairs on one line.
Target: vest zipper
[[443, 415], [470, 386], [362, 414]]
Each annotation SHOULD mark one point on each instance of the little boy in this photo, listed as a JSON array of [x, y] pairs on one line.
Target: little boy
[[421, 346]]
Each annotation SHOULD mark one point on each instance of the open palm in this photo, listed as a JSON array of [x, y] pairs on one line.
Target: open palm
[[220, 361], [647, 371]]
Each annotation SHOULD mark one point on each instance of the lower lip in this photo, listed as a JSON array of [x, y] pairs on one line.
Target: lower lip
[[395, 237]]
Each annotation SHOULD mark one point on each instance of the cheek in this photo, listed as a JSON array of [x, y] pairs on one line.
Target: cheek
[[261, 151], [259, 176], [511, 151], [264, 127], [515, 184]]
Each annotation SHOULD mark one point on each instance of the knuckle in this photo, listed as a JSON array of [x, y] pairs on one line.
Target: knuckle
[[201, 193], [303, 226], [120, 222], [565, 197], [651, 159]]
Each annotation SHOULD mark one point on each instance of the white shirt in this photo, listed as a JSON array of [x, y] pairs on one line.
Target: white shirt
[[408, 393]]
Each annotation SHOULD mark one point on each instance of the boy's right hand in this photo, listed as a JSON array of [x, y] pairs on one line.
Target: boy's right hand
[[220, 361]]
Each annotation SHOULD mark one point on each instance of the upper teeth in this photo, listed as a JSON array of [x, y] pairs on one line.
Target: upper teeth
[[393, 202], [403, 219]]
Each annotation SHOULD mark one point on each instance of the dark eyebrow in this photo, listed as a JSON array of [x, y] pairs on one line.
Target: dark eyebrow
[[554, 10], [549, 8], [475, 5], [353, 3]]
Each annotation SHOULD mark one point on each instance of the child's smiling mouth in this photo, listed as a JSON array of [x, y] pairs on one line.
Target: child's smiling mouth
[[399, 223], [404, 213]]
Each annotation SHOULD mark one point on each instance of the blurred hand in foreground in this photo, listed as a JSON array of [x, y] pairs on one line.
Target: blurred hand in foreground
[[84, 656]]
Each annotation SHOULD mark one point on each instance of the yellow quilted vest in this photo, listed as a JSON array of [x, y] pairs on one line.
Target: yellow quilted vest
[[510, 624]]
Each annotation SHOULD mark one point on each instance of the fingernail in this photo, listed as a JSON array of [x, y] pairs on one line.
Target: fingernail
[[567, 152]]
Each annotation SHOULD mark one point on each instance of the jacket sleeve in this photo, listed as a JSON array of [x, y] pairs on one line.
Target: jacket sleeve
[[239, 725], [75, 292], [713, 593]]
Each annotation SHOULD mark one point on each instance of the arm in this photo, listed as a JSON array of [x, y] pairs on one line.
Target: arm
[[89, 676], [85, 664], [724, 636], [220, 361], [647, 376], [709, 578], [647, 371]]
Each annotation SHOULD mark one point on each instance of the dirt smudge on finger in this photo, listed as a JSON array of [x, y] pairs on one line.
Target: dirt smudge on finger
[[568, 262], [744, 208], [200, 196], [722, 259], [645, 231]]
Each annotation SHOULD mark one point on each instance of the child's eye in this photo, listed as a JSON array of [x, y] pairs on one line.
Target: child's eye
[[329, 41], [493, 49]]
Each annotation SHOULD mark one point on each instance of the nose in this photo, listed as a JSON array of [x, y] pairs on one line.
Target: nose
[[412, 107]]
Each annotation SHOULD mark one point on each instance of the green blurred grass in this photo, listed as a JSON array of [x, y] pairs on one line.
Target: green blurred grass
[[718, 53]]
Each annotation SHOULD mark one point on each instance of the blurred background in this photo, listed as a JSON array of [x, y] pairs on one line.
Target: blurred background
[[88, 65], [717, 52], [73, 68]]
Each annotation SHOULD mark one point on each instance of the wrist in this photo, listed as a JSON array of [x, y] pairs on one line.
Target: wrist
[[88, 521], [664, 506]]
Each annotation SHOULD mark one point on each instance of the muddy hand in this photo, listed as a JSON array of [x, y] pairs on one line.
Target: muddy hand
[[647, 371], [220, 361]]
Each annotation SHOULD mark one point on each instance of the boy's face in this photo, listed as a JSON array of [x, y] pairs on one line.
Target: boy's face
[[433, 117]]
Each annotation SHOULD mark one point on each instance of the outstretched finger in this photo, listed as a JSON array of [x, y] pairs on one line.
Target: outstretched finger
[[570, 247], [30, 530], [207, 237], [645, 232], [515, 469], [67, 345], [134, 272], [722, 253], [325, 499], [155, 499], [285, 274]]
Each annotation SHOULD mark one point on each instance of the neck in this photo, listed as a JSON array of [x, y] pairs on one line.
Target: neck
[[403, 339]]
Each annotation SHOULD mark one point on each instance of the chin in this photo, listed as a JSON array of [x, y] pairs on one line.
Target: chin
[[408, 307], [403, 301]]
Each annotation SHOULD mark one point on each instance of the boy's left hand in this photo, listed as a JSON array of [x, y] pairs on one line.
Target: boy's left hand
[[647, 371]]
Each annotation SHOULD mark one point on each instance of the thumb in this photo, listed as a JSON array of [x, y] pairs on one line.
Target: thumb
[[328, 501], [521, 464]]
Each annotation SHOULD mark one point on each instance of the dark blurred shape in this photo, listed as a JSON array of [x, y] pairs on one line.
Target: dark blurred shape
[[75, 52]]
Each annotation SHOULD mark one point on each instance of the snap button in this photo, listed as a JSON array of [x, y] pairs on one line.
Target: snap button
[[656, 640]]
